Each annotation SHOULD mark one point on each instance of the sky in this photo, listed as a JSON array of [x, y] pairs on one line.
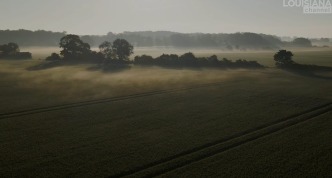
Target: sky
[[98, 17]]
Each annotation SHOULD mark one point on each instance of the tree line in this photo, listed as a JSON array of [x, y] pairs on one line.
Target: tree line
[[190, 60], [232, 41], [31, 38], [75, 50]]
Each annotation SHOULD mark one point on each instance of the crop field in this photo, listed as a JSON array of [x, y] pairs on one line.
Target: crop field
[[72, 121]]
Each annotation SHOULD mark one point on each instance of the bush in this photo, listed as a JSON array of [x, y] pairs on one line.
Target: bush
[[53, 57], [189, 60]]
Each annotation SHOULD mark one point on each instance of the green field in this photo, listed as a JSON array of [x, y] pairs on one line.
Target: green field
[[74, 122]]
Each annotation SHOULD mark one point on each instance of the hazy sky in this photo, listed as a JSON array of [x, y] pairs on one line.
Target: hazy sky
[[208, 16]]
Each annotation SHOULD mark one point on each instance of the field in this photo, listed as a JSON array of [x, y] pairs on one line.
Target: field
[[143, 122]]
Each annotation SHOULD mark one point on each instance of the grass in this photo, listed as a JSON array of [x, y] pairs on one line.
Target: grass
[[114, 137], [300, 151]]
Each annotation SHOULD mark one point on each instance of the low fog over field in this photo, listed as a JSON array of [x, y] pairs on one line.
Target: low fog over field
[[156, 126], [72, 81], [165, 88], [66, 84]]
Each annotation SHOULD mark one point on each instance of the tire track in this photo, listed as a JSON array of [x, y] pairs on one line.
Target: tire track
[[105, 100], [210, 149]]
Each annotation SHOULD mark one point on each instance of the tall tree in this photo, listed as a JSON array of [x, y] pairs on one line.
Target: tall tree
[[122, 49], [73, 47], [106, 50]]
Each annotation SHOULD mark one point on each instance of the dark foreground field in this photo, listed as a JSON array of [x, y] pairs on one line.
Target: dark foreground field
[[71, 122]]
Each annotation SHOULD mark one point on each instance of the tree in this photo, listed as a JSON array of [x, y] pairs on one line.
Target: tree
[[106, 50], [122, 49], [283, 57], [302, 42], [188, 59], [53, 57], [213, 59], [9, 49], [74, 47]]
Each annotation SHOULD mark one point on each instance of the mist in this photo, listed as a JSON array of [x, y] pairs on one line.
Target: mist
[[214, 16], [78, 82], [165, 88]]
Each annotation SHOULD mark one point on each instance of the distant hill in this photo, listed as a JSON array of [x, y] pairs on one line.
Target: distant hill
[[232, 41], [192, 40]]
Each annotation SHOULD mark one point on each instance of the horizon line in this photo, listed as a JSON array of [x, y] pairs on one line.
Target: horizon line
[[66, 32]]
